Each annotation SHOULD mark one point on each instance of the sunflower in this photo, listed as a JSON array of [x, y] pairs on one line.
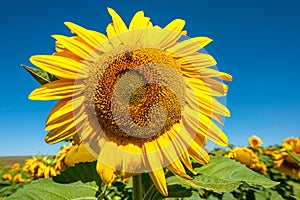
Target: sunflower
[[7, 177], [18, 178], [247, 157], [40, 167], [254, 141], [139, 98], [16, 167], [283, 161]]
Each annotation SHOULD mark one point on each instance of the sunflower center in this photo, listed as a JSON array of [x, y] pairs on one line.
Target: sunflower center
[[139, 95]]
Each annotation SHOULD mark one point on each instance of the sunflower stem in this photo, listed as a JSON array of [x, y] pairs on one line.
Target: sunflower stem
[[137, 187]]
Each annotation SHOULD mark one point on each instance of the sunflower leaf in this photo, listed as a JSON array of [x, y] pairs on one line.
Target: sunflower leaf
[[225, 175], [85, 172], [41, 76], [47, 189]]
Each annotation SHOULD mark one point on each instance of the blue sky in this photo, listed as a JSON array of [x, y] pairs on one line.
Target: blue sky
[[255, 41]]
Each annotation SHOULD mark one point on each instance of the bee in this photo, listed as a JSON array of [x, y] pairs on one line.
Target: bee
[[128, 55]]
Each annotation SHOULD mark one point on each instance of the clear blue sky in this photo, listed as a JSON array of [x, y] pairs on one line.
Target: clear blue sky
[[257, 42]]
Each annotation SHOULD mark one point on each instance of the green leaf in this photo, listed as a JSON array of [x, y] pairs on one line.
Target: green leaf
[[275, 195], [296, 188], [261, 195], [224, 175], [297, 160], [210, 183], [228, 196], [40, 75], [46, 189], [85, 172]]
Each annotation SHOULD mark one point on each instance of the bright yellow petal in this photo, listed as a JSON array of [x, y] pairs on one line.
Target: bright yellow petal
[[64, 107], [139, 21], [60, 121], [198, 60], [59, 89], [207, 86], [61, 67], [110, 30], [132, 158], [154, 158], [61, 133], [205, 126], [176, 25], [106, 173], [177, 168], [118, 23], [159, 180], [78, 154], [93, 38], [80, 49], [185, 159], [207, 104], [190, 46], [200, 156]]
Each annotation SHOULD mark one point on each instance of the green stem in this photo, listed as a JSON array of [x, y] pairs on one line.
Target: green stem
[[137, 187]]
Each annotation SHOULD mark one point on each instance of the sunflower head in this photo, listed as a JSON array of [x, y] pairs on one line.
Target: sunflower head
[[141, 97], [292, 144], [254, 141], [7, 176], [247, 157]]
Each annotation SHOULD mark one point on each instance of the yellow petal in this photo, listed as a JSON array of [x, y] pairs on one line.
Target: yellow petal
[[61, 67], [197, 151], [110, 30], [92, 38], [199, 97], [177, 168], [196, 61], [139, 21], [78, 154], [118, 23], [162, 38], [205, 126], [132, 158], [61, 133], [207, 86], [60, 121], [185, 158], [64, 107], [59, 89], [176, 25], [106, 173], [154, 159], [225, 76], [190, 46], [80, 49], [159, 180]]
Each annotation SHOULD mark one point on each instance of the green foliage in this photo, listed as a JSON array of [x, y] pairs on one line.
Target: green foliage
[[230, 170], [47, 189], [8, 187], [41, 76], [222, 178], [84, 172]]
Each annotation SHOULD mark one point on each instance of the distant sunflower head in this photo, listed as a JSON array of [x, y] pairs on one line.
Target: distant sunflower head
[[254, 141], [247, 157], [140, 97]]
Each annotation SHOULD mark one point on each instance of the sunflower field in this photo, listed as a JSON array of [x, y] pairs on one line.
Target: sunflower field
[[138, 106], [251, 170]]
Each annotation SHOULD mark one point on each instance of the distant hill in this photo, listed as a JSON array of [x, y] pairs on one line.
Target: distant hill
[[10, 160]]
